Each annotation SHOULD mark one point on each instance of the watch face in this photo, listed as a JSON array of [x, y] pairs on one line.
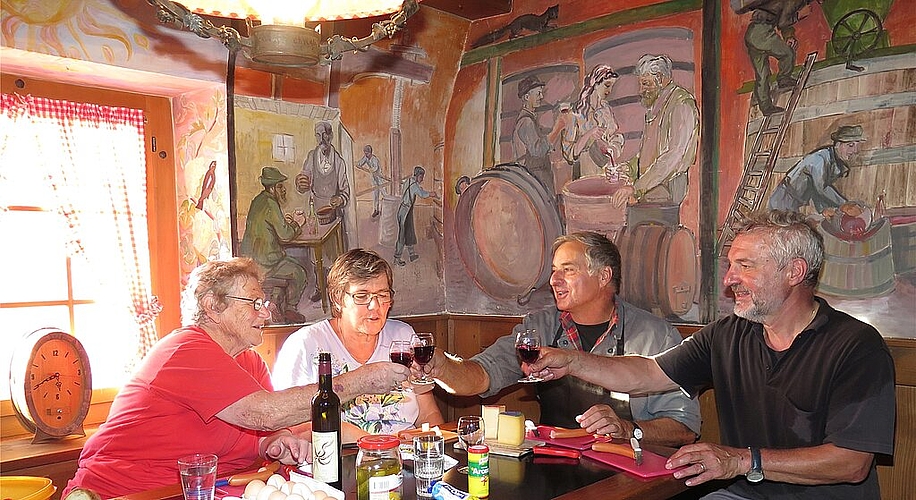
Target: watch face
[[58, 384], [755, 476], [637, 433]]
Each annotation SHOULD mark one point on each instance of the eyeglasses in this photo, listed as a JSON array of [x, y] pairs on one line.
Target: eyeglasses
[[257, 304], [364, 298]]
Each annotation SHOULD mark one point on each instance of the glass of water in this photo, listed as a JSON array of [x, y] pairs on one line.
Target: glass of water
[[428, 463], [198, 476]]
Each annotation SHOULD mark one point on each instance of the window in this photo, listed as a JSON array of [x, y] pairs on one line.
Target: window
[[45, 283]]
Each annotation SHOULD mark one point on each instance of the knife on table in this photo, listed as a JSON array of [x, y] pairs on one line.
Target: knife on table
[[637, 451]]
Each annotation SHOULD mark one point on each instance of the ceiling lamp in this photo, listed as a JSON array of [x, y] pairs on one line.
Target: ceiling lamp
[[278, 35]]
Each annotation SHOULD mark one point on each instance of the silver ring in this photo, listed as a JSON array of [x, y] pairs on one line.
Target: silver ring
[[702, 467]]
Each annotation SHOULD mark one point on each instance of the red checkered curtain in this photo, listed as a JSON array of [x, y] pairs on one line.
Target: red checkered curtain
[[94, 159]]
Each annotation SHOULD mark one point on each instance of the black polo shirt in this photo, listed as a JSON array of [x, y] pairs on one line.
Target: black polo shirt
[[835, 384]]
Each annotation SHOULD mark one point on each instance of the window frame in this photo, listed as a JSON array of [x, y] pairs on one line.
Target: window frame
[[161, 200]]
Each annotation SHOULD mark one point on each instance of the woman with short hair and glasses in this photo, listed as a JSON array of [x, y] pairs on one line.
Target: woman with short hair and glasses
[[358, 333], [202, 389]]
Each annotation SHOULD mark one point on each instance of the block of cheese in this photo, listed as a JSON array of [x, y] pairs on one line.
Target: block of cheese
[[511, 428], [490, 415]]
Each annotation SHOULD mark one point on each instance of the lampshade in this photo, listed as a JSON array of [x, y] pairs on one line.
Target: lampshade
[[293, 11], [277, 32]]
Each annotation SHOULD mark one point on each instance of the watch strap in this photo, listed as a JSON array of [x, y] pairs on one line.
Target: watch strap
[[755, 474]]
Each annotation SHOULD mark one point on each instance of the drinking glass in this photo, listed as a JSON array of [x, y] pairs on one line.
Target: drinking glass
[[401, 352], [471, 431], [428, 462], [424, 346], [198, 476], [528, 348]]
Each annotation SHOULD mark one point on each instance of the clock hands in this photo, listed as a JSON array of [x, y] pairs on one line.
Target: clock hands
[[49, 378]]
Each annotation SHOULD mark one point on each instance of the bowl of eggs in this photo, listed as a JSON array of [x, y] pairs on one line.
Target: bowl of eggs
[[299, 487]]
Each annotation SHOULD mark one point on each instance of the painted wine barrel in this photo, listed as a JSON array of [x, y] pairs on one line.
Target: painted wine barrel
[[880, 99], [505, 226], [861, 267], [587, 205], [903, 238], [660, 268]]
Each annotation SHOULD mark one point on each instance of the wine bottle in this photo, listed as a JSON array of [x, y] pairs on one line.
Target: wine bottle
[[311, 218], [326, 427]]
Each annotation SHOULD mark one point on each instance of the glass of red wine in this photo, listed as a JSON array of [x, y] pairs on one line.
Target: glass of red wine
[[424, 346], [528, 348], [401, 352]]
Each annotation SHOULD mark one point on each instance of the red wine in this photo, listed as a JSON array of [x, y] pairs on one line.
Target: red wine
[[404, 358], [326, 427], [424, 354], [528, 354]]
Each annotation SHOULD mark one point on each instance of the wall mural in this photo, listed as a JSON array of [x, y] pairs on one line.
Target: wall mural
[[600, 143], [553, 96]]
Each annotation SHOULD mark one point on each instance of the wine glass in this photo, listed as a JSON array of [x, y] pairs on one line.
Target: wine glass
[[424, 346], [528, 348], [401, 352], [471, 431]]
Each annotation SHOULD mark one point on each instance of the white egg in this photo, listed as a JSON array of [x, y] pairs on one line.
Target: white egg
[[252, 489], [276, 480], [294, 497], [301, 489], [277, 495], [265, 492], [320, 495], [285, 488]]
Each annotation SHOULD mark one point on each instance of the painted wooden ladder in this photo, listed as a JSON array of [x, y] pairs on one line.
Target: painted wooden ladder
[[761, 160]]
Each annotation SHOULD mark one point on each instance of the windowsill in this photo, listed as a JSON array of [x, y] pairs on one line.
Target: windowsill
[[20, 453]]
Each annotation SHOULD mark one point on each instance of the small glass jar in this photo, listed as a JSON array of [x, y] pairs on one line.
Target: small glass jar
[[378, 468]]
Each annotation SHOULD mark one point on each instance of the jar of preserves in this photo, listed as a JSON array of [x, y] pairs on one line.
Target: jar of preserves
[[378, 468]]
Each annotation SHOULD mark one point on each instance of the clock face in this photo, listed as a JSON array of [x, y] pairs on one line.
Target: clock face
[[58, 384]]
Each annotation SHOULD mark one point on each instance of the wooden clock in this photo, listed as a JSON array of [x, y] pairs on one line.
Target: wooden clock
[[51, 384]]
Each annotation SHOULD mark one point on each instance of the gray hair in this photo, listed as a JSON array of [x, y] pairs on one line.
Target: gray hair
[[218, 278], [600, 252], [649, 64], [418, 171], [790, 236]]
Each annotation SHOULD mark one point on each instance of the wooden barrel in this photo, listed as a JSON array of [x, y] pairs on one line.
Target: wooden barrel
[[881, 100], [860, 267], [660, 268], [903, 238], [505, 226], [587, 205]]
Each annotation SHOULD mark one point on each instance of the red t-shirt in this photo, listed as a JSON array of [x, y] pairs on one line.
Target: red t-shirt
[[167, 411]]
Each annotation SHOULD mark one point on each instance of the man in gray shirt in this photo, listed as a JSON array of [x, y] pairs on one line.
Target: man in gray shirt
[[588, 317]]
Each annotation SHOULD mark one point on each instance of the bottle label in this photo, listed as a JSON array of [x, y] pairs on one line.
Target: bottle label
[[324, 457], [381, 487]]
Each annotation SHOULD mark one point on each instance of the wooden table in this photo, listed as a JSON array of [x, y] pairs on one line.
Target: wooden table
[[316, 242], [528, 478]]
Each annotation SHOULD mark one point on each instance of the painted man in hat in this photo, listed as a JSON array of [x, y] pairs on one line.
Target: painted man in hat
[[265, 227], [811, 180], [531, 144]]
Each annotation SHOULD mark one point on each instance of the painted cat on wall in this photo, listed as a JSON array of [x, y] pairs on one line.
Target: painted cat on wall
[[536, 23]]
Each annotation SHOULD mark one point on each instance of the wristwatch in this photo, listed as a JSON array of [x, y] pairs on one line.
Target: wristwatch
[[637, 431], [755, 475]]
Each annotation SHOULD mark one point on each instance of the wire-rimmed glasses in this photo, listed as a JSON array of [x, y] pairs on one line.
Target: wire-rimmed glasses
[[257, 304]]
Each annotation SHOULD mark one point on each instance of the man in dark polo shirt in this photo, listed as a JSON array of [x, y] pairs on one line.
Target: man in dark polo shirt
[[805, 393]]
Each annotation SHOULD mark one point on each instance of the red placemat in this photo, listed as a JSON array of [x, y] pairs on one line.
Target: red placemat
[[577, 443], [653, 465]]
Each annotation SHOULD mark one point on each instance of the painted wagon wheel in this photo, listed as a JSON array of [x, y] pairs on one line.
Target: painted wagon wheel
[[856, 33]]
